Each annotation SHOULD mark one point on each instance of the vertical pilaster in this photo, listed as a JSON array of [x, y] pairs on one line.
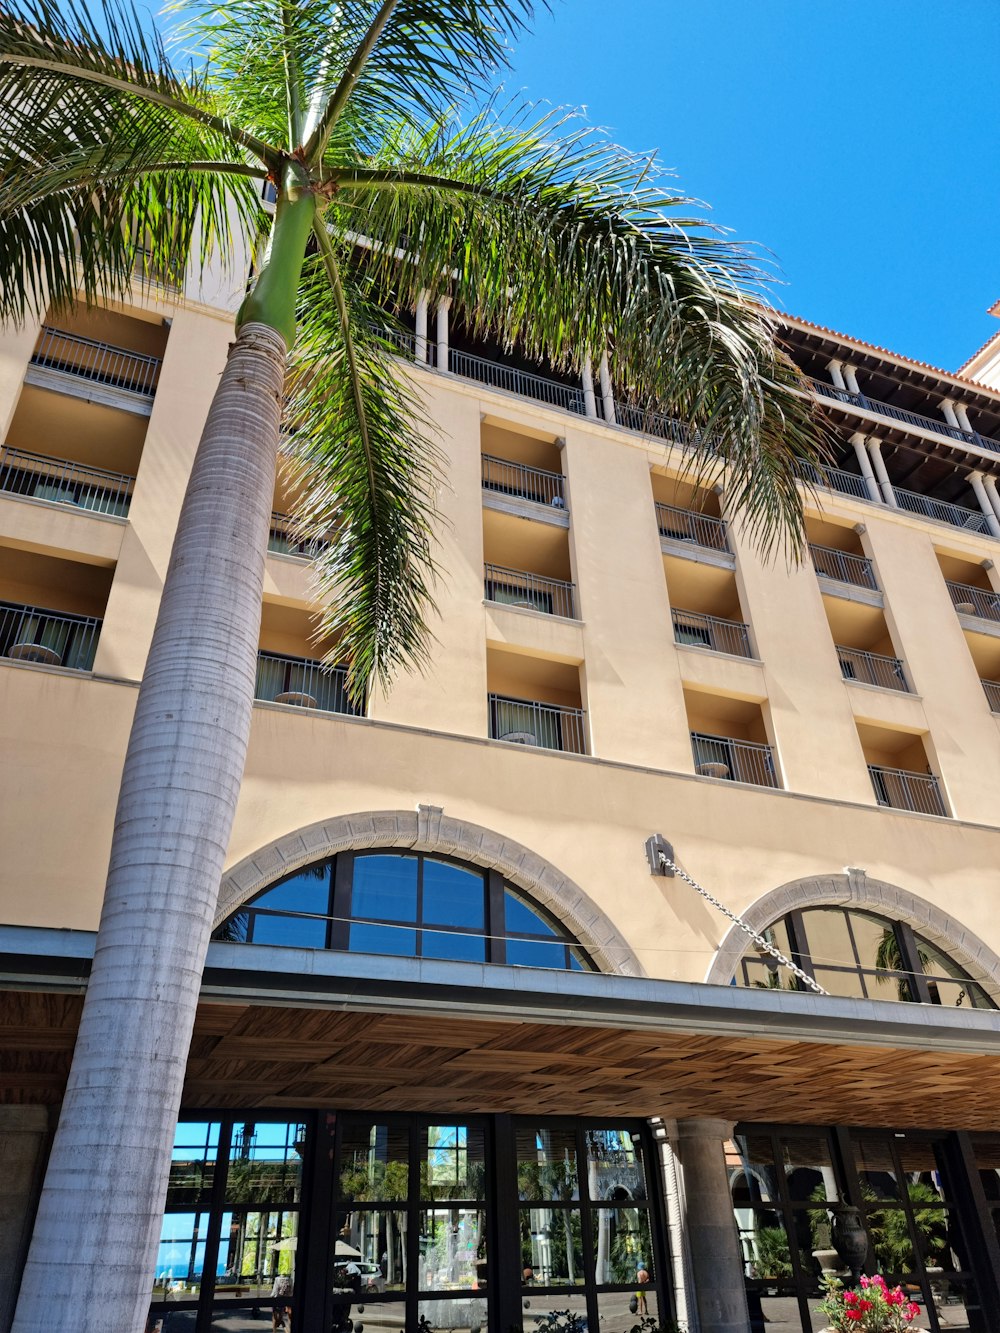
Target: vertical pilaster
[[15, 357], [716, 1261]]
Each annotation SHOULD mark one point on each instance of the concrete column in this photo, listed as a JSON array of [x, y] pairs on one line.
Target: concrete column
[[716, 1261], [589, 399], [851, 379], [865, 463], [962, 412], [678, 1250], [420, 338], [607, 393], [444, 305], [19, 344], [948, 412], [985, 502], [990, 483], [24, 1135], [836, 370], [878, 463]]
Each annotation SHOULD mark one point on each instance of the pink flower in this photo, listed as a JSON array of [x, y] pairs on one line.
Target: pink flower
[[864, 1282], [854, 1314], [913, 1310]]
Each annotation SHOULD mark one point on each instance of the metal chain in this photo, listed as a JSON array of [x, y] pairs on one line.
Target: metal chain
[[764, 945]]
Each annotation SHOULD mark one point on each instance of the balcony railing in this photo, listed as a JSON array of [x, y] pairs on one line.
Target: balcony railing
[[872, 669], [737, 761], [904, 415], [526, 385], [684, 525], [943, 511], [303, 683], [722, 636], [970, 601], [837, 479], [902, 790], [845, 568], [283, 540], [991, 688], [60, 482], [526, 483], [102, 363], [531, 592], [49, 638], [525, 722]]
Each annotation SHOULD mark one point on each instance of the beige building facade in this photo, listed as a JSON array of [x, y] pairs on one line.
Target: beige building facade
[[445, 942]]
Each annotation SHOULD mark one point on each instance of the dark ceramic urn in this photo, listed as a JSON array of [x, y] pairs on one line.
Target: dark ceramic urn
[[850, 1239]]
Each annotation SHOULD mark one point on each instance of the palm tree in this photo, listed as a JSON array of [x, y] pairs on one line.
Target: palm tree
[[543, 235]]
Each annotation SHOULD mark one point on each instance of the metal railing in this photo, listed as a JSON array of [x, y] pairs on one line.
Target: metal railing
[[48, 638], [522, 382], [905, 415], [304, 683], [844, 567], [872, 669], [548, 726], [526, 483], [736, 761], [62, 482], [684, 525], [970, 601], [902, 790], [943, 511], [283, 539], [835, 479], [701, 631], [991, 689], [531, 592], [100, 362]]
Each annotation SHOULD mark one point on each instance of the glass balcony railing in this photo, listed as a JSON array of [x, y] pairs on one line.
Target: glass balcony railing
[[61, 482], [721, 636], [548, 726], [684, 525], [970, 601], [843, 567], [902, 790], [523, 483], [529, 592], [48, 638], [735, 761], [100, 362], [872, 669], [301, 682]]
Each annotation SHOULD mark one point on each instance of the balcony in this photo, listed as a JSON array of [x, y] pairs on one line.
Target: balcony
[[504, 478], [283, 540], [48, 638], [903, 790], [970, 601], [496, 375], [991, 688], [548, 726], [842, 567], [872, 669], [684, 525], [70, 357], [60, 482], [733, 760], [529, 592], [906, 417], [303, 683], [695, 630]]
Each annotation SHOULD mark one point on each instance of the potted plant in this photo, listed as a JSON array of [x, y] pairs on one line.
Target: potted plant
[[871, 1307]]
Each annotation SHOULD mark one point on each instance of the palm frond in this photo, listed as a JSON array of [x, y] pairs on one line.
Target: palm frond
[[553, 240], [359, 444]]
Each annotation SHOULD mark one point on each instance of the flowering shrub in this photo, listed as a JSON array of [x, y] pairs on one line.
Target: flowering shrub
[[871, 1308]]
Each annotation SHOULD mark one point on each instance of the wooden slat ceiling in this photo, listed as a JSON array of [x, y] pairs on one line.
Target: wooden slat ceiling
[[259, 1055]]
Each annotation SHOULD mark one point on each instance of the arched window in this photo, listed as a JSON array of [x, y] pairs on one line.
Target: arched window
[[861, 954], [411, 904]]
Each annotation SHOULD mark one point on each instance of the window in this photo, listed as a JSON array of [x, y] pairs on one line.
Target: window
[[863, 955], [410, 904]]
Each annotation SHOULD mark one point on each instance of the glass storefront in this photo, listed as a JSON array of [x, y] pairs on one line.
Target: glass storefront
[[339, 1223]]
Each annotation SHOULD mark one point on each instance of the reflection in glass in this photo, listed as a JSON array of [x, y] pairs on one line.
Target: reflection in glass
[[453, 896], [808, 1168], [454, 1162], [546, 1163], [465, 1314], [379, 1317], [365, 938], [552, 1246], [614, 1165], [750, 1163], [620, 1311], [192, 1165], [265, 1162], [537, 1309], [522, 918], [623, 1247], [294, 932], [255, 1248], [385, 887], [452, 1248], [374, 1161], [308, 891], [180, 1256], [374, 1241]]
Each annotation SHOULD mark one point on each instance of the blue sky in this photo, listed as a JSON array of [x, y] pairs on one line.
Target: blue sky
[[857, 140]]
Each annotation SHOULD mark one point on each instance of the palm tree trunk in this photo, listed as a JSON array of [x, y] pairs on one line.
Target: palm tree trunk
[[93, 1251]]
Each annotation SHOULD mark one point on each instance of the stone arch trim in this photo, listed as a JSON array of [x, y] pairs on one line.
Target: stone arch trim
[[857, 889], [429, 829]]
